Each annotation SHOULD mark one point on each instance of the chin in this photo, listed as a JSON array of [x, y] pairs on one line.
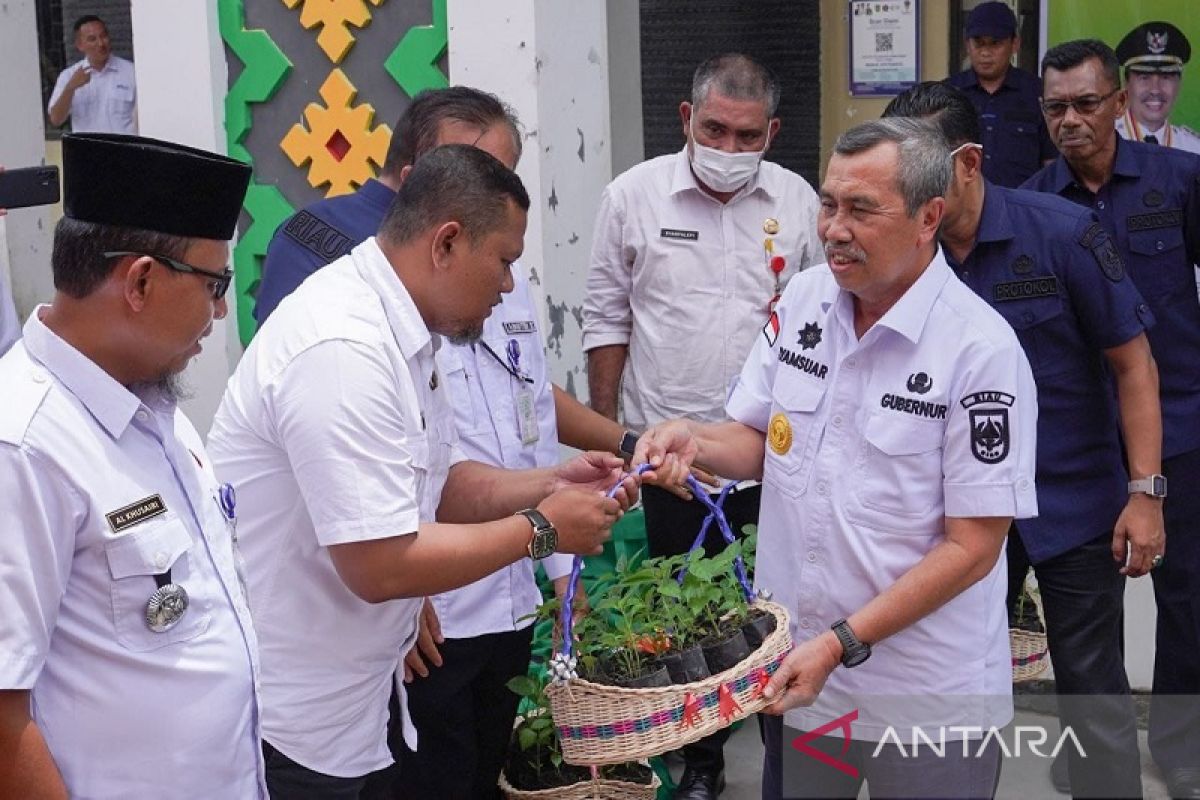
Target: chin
[[465, 335]]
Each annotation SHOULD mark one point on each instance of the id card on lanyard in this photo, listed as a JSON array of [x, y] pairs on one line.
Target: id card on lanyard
[[527, 425]]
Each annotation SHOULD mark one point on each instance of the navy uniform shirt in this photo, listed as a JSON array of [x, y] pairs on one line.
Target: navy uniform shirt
[[1151, 208], [316, 236], [1050, 269], [1015, 140]]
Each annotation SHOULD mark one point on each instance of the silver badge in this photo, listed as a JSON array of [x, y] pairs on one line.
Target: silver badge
[[166, 607]]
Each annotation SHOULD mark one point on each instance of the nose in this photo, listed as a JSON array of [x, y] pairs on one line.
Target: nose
[[220, 308], [833, 228], [1072, 118], [507, 285]]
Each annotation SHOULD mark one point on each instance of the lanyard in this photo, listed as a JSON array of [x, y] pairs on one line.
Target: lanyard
[[512, 366]]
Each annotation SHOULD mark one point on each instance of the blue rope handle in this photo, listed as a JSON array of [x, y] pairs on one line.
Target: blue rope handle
[[715, 512]]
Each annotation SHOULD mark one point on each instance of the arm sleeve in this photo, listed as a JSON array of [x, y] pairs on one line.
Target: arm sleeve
[[1110, 312], [357, 453], [10, 324], [285, 267], [990, 444], [749, 400], [607, 318], [60, 86], [558, 565], [36, 555]]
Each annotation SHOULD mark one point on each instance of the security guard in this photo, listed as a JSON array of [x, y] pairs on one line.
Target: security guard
[[1015, 141], [891, 414], [1153, 55], [1050, 269], [1148, 200], [462, 708], [123, 609]]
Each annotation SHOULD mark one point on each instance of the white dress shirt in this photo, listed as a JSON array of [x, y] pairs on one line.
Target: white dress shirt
[[335, 428], [126, 712], [105, 104], [684, 280], [485, 394], [884, 438], [1168, 135]]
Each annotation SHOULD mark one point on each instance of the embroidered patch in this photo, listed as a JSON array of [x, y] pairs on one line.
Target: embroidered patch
[[810, 337], [771, 329], [1159, 219], [317, 236], [919, 383], [521, 326], [989, 424], [132, 514], [1025, 290], [675, 233], [1153, 198], [1022, 265]]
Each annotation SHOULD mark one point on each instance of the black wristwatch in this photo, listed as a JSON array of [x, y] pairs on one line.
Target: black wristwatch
[[545, 538], [628, 444], [854, 652]]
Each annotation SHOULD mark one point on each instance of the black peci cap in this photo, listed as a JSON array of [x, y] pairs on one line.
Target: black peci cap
[[136, 182]]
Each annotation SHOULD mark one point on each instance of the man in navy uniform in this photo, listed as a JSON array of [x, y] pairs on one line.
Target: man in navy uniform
[[1050, 269], [1148, 200], [1015, 142], [1153, 55]]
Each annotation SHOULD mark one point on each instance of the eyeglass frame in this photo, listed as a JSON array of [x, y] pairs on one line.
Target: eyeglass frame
[[1065, 104], [223, 279]]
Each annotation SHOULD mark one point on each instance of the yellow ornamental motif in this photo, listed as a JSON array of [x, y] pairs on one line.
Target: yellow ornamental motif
[[335, 18], [779, 434], [339, 143]]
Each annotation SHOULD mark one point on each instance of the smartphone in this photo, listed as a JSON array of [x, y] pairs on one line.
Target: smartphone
[[29, 186]]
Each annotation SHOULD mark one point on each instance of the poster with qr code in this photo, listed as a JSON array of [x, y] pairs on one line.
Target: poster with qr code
[[885, 49]]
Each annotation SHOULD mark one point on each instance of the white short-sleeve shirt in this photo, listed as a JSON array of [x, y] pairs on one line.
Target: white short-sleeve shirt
[[335, 427], [486, 391], [871, 443], [684, 280], [105, 104], [102, 490]]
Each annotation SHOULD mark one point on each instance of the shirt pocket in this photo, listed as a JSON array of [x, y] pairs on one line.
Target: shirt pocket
[[1020, 134], [789, 467], [900, 476], [1036, 324], [1156, 271], [133, 561]]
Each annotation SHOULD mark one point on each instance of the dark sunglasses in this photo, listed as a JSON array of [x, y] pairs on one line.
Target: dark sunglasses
[[222, 279], [1084, 106]]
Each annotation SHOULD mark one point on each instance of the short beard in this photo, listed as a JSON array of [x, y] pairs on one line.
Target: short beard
[[168, 387], [467, 336]]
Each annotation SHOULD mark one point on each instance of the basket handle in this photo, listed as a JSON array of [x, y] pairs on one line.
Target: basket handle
[[715, 512]]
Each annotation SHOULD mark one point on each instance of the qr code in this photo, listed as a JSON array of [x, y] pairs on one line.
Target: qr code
[[883, 42]]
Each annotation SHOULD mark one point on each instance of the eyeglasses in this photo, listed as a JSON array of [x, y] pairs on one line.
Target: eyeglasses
[[222, 278], [1084, 106]]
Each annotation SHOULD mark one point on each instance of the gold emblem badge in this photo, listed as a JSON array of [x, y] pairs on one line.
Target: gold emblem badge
[[779, 434], [771, 226]]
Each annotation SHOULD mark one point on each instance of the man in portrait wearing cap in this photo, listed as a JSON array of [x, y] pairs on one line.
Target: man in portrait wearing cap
[[129, 664], [1015, 141], [1153, 55]]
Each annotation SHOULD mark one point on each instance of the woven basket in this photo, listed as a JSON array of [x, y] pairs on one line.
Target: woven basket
[[600, 724], [595, 789], [1029, 654]]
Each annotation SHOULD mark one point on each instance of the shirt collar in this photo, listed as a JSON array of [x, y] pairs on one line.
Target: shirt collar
[[403, 317], [1010, 79], [909, 314], [683, 179], [112, 404], [1125, 164], [994, 224]]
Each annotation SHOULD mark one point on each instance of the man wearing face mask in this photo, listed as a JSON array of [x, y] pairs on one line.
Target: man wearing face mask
[[690, 252]]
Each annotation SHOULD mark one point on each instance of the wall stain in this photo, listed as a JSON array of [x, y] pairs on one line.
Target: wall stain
[[574, 238], [593, 56], [580, 151], [553, 201], [570, 387], [534, 278], [557, 313]]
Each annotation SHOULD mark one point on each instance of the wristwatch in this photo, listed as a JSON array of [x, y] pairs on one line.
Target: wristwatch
[[854, 652], [545, 538], [628, 444], [1153, 485]]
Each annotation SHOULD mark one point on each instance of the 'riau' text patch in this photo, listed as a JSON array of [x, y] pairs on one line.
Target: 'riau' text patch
[[134, 513], [675, 233]]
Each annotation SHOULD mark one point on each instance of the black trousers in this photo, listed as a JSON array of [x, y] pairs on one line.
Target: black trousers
[[1083, 596], [672, 524], [1175, 704], [464, 714], [287, 780]]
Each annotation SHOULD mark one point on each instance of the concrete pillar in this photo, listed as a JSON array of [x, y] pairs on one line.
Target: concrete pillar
[[181, 80], [549, 60], [25, 234]]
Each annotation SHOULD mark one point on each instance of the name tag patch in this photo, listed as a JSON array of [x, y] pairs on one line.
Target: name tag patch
[[317, 236], [1159, 219], [134, 513], [522, 326], [674, 233], [1025, 290]]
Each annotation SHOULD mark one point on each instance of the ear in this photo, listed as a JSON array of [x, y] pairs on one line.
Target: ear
[[407, 168], [773, 130], [446, 238], [685, 116], [972, 163], [930, 217], [137, 282], [1122, 99]]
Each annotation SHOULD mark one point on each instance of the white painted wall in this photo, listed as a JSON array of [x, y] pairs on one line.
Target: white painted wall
[[549, 60], [25, 234], [181, 78]]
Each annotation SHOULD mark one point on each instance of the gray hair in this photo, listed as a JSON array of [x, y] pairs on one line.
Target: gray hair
[[923, 170], [737, 76]]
